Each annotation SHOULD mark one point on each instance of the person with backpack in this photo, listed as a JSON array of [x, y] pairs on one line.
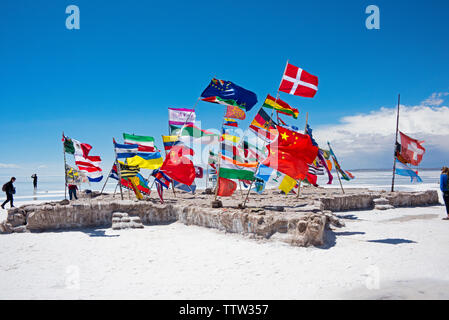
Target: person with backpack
[[9, 189], [444, 187]]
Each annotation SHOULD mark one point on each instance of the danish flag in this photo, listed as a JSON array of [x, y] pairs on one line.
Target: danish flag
[[298, 82]]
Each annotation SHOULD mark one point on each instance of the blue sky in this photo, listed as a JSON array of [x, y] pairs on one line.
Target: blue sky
[[131, 60]]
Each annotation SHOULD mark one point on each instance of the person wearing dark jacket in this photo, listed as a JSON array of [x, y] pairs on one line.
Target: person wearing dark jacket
[[444, 187], [34, 177], [9, 189], [72, 191]]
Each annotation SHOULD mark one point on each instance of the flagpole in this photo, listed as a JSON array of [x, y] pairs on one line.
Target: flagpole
[[117, 164], [305, 132], [219, 157], [338, 175], [65, 170], [395, 143], [110, 171]]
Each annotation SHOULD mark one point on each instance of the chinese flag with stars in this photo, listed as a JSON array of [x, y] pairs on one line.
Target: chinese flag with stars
[[178, 167], [291, 153]]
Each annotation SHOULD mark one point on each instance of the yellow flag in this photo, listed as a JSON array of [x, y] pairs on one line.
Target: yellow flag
[[145, 164], [287, 184], [134, 181]]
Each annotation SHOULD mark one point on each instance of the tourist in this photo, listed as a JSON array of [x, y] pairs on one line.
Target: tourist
[[9, 189], [34, 177], [72, 191], [444, 187]]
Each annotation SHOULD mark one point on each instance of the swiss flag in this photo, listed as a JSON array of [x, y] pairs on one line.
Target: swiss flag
[[411, 150], [298, 82]]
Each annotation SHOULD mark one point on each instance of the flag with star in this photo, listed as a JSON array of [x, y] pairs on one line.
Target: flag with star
[[291, 153], [234, 94]]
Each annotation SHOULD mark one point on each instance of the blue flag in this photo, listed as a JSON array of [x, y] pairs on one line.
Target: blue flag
[[404, 170], [230, 91]]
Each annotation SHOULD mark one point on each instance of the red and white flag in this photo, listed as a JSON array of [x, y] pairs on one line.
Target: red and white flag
[[411, 150], [298, 82]]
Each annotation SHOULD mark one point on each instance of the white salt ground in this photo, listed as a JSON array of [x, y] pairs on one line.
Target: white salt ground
[[394, 254]]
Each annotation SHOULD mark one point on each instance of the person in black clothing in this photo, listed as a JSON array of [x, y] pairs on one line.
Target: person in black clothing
[[34, 177], [9, 189]]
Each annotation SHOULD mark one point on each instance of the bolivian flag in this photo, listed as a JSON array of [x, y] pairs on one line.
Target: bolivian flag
[[280, 106]]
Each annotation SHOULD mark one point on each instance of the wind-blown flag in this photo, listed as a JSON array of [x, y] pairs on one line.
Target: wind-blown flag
[[144, 142], [287, 184], [178, 167], [298, 82], [213, 159], [252, 152], [229, 91], [346, 175], [127, 170], [125, 150], [230, 122], [150, 161], [411, 150], [291, 153], [136, 155], [404, 170], [89, 165], [235, 113], [170, 141], [161, 178], [263, 126], [181, 116], [226, 187], [280, 106], [183, 187], [230, 170], [190, 134]]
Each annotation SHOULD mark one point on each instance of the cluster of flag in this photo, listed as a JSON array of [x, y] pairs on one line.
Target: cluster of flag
[[269, 146], [408, 152], [87, 164]]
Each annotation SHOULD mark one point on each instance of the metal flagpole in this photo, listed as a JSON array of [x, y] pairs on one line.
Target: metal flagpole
[[119, 171], [110, 171], [338, 175], [65, 170], [395, 143]]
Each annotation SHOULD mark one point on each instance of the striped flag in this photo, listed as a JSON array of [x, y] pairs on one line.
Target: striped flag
[[89, 165], [263, 126], [230, 122], [128, 171], [125, 150], [145, 142], [231, 171], [280, 106]]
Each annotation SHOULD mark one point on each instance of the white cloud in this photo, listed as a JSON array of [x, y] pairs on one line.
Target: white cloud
[[435, 99], [367, 140], [8, 166]]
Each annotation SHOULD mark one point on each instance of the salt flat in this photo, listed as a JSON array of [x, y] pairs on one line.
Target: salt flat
[[393, 254]]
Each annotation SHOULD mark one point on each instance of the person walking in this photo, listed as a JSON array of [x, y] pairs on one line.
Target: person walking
[[444, 187], [9, 189], [72, 191], [34, 177]]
